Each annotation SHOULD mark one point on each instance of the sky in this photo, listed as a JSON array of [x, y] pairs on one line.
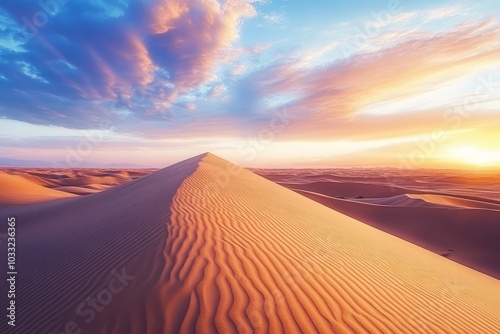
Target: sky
[[395, 83]]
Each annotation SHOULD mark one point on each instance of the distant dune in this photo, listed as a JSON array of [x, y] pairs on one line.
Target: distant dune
[[455, 201], [18, 190], [83, 181], [205, 246]]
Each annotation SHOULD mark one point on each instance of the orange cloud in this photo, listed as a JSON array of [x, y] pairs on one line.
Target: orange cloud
[[409, 68], [163, 15]]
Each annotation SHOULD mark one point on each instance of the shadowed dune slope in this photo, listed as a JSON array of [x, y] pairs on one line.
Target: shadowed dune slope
[[209, 247], [348, 189], [80, 190], [18, 190], [72, 253]]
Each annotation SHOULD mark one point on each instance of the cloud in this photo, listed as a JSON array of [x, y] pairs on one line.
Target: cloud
[[238, 70], [153, 72], [341, 89], [275, 18], [424, 15], [216, 91], [90, 60], [325, 102], [443, 12], [187, 38]]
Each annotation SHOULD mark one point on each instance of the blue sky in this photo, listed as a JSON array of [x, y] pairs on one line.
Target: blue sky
[[262, 83]]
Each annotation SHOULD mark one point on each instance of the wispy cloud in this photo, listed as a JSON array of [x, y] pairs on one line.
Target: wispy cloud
[[275, 18], [343, 87]]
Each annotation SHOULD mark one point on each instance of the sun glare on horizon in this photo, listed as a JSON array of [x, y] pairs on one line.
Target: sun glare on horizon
[[472, 155]]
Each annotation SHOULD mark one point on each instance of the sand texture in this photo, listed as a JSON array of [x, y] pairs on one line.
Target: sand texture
[[213, 248]]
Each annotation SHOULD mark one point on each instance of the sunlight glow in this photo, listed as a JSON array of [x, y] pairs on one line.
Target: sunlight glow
[[474, 156]]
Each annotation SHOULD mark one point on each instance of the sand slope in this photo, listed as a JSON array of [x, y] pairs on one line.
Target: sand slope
[[214, 248], [18, 190], [245, 255], [348, 189], [69, 252], [467, 236], [455, 201]]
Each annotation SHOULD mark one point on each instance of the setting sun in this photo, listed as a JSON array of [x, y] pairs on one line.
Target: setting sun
[[474, 155]]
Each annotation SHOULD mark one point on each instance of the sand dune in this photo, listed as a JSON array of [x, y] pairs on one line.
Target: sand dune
[[455, 201], [73, 250], [386, 182], [267, 260], [80, 190], [469, 237], [399, 200], [44, 182], [77, 181], [210, 247], [348, 189], [18, 190]]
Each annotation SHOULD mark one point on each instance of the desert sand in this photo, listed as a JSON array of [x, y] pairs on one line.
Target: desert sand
[[205, 246], [77, 181], [17, 190], [455, 201], [467, 236], [451, 213]]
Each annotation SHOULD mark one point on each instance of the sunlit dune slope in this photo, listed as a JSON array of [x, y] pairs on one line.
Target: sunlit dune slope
[[467, 236], [244, 254], [209, 247], [17, 190]]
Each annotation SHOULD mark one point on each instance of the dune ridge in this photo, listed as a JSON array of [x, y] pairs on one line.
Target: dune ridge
[[214, 248]]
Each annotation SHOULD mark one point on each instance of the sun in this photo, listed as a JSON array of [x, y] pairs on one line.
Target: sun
[[474, 155]]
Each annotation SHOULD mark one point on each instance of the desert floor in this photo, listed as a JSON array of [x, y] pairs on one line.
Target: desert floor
[[206, 246]]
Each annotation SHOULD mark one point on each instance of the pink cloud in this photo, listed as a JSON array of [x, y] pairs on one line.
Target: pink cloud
[[341, 89], [217, 91], [328, 99], [238, 70], [137, 68], [191, 36], [145, 60]]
